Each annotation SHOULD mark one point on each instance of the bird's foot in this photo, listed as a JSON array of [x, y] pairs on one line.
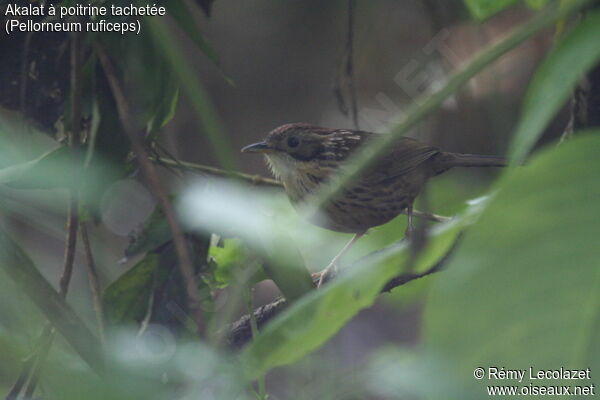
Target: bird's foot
[[329, 272]]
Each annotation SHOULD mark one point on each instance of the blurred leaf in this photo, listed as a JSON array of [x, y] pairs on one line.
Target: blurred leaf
[[126, 299], [523, 288], [154, 233], [56, 168], [256, 217], [179, 10], [316, 317], [23, 272], [483, 9], [553, 83]]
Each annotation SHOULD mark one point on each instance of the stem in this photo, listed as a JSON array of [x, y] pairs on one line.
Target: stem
[[254, 179]]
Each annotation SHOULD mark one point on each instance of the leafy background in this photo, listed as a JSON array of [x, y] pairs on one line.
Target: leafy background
[[519, 287]]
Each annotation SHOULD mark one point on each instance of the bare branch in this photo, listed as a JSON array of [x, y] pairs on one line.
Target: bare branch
[[205, 169]]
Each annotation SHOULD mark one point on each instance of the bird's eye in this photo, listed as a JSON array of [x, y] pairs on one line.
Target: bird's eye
[[293, 141]]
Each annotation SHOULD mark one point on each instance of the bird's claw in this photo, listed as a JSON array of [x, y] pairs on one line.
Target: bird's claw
[[329, 272]]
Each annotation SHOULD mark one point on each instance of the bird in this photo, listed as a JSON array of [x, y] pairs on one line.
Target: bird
[[305, 157]]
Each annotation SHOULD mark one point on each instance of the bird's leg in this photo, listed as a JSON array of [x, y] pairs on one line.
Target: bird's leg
[[409, 227], [333, 264]]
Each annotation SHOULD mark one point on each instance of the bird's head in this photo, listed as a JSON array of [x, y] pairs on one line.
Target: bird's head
[[297, 147]]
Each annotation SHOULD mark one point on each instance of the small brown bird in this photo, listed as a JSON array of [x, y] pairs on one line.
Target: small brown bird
[[304, 157]]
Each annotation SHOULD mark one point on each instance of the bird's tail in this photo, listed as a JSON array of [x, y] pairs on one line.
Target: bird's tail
[[475, 160], [445, 161]]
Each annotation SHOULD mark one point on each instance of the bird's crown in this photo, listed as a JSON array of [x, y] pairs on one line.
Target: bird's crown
[[306, 142]]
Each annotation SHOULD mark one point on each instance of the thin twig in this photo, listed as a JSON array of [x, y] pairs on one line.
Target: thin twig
[[254, 179], [183, 254], [350, 63], [345, 74], [94, 279]]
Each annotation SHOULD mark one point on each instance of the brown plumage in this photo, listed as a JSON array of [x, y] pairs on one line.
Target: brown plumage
[[305, 156]]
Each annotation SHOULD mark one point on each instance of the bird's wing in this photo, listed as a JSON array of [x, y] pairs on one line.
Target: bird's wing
[[406, 154]]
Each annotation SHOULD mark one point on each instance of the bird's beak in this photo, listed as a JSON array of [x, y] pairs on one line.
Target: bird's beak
[[260, 147]]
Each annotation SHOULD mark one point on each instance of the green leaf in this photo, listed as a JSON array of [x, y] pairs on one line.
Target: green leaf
[[227, 258], [164, 110], [554, 81], [126, 299], [315, 318], [523, 288], [483, 9]]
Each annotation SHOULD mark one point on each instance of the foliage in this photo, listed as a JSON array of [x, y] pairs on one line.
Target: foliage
[[520, 287], [536, 305]]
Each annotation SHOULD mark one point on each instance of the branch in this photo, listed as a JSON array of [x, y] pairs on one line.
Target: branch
[[183, 254], [188, 166]]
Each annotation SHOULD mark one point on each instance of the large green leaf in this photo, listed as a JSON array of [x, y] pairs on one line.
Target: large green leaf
[[523, 288], [314, 319], [554, 82]]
